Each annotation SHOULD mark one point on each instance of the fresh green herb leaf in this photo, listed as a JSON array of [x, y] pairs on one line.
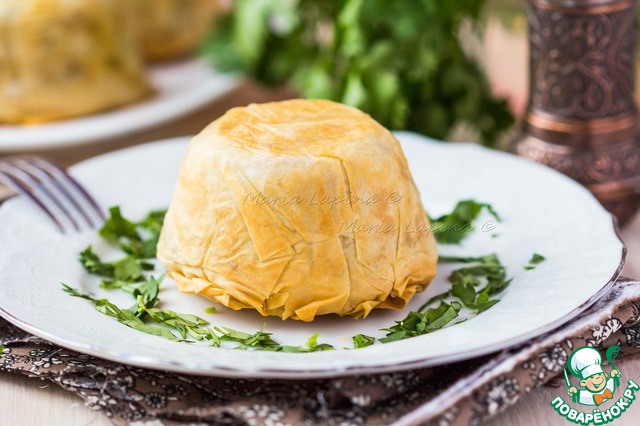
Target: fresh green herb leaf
[[117, 227], [154, 221], [263, 342], [393, 336], [320, 347], [92, 263], [482, 269], [312, 341], [127, 269], [453, 227], [483, 306], [128, 275], [151, 227], [124, 316], [146, 295], [313, 345], [211, 310], [258, 340], [362, 341], [535, 260], [418, 323], [185, 324], [140, 239], [118, 285], [1, 349], [488, 267], [444, 318], [434, 299], [461, 259], [375, 55], [75, 293], [466, 292]]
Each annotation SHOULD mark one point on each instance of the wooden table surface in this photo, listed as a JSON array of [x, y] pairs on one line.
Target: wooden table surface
[[26, 402]]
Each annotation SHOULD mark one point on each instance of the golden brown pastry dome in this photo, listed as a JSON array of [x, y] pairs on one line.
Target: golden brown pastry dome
[[64, 58], [171, 29], [296, 209]]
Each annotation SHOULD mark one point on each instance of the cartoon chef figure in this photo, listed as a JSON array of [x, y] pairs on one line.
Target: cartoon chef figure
[[586, 364]]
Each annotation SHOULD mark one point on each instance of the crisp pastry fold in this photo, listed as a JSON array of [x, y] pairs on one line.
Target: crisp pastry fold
[[66, 58], [297, 209]]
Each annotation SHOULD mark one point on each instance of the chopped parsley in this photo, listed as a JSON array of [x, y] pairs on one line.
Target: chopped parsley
[[472, 287], [137, 239], [454, 227], [362, 341], [418, 323], [535, 260]]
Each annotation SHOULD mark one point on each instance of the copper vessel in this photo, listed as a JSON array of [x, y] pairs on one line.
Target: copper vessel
[[582, 117]]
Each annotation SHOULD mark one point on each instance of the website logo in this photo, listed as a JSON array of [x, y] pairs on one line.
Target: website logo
[[595, 388]]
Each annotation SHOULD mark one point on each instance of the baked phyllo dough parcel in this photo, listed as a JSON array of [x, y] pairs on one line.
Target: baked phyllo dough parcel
[[65, 58], [297, 209], [171, 29]]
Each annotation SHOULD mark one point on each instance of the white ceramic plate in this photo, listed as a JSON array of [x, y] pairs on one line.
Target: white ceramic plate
[[542, 210], [181, 87]]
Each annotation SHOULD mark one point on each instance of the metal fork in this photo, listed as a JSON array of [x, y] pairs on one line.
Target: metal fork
[[58, 195]]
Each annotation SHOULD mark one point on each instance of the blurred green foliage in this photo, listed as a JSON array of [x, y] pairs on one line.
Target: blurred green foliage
[[399, 60]]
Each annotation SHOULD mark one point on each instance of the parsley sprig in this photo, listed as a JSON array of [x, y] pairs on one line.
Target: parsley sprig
[[472, 287], [126, 270], [419, 323], [138, 242], [138, 239], [454, 227], [189, 328], [401, 61], [362, 341], [535, 260]]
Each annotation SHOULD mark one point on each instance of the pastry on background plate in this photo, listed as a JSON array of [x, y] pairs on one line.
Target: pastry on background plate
[[66, 58], [297, 209], [172, 29]]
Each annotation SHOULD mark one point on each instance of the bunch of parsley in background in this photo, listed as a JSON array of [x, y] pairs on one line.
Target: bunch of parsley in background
[[401, 61]]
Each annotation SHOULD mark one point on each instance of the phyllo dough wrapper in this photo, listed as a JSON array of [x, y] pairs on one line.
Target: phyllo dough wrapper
[[297, 209]]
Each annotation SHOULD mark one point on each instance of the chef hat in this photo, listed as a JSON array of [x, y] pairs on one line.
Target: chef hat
[[585, 362]]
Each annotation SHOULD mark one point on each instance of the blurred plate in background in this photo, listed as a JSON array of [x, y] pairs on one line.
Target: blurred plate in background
[[181, 88]]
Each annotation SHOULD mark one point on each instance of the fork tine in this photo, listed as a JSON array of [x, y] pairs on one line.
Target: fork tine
[[59, 172], [36, 184], [18, 186], [43, 175]]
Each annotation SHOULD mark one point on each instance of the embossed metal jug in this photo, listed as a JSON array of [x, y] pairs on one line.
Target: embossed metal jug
[[582, 117]]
